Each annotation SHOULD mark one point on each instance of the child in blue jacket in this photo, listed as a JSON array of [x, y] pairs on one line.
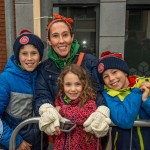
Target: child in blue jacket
[[17, 83], [128, 99]]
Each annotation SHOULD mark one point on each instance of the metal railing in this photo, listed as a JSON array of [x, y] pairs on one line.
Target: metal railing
[[12, 144]]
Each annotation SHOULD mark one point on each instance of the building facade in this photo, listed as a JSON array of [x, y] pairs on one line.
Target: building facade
[[116, 25], [3, 52]]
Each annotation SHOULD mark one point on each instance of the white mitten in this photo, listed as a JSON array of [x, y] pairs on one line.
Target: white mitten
[[49, 129], [50, 118], [98, 122], [44, 108]]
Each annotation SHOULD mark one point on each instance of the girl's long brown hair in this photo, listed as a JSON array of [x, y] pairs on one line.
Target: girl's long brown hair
[[88, 90]]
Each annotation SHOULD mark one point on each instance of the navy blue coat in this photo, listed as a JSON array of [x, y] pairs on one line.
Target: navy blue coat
[[46, 84]]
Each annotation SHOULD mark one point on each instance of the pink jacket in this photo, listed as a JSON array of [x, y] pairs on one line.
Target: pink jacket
[[76, 139]]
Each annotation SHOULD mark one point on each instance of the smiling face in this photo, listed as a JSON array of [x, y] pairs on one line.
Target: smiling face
[[72, 86], [115, 79], [29, 57], [60, 39]]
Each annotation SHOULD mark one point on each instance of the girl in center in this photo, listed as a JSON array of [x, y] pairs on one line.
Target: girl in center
[[75, 101]]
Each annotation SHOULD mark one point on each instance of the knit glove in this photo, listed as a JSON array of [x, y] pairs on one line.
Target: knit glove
[[98, 122], [49, 129], [50, 118]]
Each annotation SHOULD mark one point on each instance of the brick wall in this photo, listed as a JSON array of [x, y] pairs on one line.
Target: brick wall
[[3, 51]]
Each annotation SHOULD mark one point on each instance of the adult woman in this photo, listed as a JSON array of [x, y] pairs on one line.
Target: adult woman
[[16, 91], [64, 50]]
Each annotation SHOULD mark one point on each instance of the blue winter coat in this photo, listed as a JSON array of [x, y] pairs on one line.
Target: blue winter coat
[[46, 85], [126, 106], [16, 104]]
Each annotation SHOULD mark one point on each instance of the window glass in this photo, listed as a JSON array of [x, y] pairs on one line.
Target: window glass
[[84, 26], [137, 44]]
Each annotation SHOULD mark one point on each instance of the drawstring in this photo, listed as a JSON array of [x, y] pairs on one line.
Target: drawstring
[[65, 141], [131, 139], [97, 143], [69, 141]]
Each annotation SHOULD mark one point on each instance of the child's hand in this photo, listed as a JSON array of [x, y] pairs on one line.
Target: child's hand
[[89, 137], [146, 83], [58, 108], [57, 131], [24, 145], [146, 92]]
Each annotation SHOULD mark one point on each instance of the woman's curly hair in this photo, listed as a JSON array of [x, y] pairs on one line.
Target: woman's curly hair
[[88, 92]]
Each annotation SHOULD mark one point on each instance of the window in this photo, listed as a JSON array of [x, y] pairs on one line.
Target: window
[[137, 44], [84, 26]]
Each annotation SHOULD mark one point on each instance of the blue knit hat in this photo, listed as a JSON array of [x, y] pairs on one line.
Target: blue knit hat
[[27, 37], [111, 60]]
